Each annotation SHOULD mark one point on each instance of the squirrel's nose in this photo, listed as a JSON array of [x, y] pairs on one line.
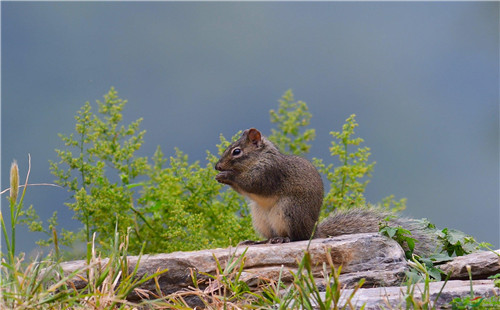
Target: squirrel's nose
[[217, 166]]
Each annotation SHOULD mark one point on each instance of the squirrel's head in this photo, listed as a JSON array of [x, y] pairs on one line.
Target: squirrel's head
[[241, 155]]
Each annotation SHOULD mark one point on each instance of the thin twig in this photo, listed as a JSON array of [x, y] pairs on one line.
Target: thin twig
[[34, 184], [27, 174]]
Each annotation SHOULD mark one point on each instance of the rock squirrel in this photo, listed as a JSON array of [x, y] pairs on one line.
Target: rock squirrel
[[286, 195]]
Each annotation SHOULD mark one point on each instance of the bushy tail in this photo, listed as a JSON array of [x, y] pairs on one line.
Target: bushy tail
[[368, 220]]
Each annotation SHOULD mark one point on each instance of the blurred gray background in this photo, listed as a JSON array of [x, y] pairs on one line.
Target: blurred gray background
[[422, 77]]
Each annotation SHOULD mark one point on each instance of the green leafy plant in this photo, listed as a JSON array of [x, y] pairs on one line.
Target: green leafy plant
[[467, 303], [426, 270], [420, 297], [403, 237], [400, 235], [389, 203], [348, 179], [170, 203], [456, 242], [496, 279], [291, 118], [188, 208], [98, 167]]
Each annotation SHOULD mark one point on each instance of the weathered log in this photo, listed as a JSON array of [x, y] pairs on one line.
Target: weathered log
[[376, 258]]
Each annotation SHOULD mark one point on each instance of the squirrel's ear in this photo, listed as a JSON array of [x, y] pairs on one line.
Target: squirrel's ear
[[254, 136]]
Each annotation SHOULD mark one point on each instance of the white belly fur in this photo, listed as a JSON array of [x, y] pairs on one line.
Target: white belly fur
[[267, 216]]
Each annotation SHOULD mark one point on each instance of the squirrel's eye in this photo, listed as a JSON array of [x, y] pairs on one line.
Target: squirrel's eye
[[236, 151]]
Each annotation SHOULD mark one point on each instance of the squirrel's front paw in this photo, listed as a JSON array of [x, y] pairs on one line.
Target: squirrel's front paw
[[224, 177]]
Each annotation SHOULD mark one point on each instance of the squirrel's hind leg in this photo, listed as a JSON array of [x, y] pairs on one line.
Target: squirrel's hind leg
[[278, 240]]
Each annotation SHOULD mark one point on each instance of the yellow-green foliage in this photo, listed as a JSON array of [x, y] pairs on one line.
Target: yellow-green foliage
[[348, 180], [291, 118], [350, 176], [170, 203]]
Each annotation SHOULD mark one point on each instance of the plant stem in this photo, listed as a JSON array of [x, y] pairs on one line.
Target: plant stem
[[344, 173]]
